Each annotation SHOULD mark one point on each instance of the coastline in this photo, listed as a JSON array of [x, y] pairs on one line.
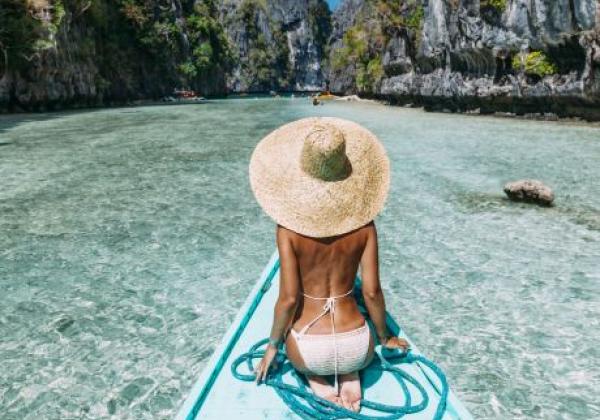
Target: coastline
[[550, 108], [505, 108]]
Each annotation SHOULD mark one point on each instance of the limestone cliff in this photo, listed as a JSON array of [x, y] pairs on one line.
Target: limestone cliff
[[98, 52], [516, 56], [491, 55], [280, 44], [69, 53]]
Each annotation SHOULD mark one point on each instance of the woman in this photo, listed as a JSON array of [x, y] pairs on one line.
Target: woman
[[323, 180]]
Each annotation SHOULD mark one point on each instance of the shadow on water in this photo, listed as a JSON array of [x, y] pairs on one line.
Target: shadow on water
[[10, 121], [585, 216], [477, 202]]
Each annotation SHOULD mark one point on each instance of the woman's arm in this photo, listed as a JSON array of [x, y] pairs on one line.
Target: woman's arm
[[289, 286], [287, 302], [372, 293]]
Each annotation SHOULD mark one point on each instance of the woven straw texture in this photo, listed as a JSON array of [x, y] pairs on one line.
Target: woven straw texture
[[320, 177]]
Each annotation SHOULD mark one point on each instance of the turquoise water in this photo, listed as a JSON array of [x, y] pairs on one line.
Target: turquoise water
[[129, 238]]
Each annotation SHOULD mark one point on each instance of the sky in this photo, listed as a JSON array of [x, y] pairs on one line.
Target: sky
[[333, 3]]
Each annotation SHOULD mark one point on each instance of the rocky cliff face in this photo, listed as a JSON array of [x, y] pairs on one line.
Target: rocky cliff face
[[68, 53], [84, 53], [517, 56], [280, 43], [491, 55]]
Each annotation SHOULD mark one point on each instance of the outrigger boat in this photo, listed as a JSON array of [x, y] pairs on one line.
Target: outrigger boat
[[218, 394]]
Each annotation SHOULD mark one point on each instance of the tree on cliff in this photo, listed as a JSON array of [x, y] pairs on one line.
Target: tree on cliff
[[19, 30]]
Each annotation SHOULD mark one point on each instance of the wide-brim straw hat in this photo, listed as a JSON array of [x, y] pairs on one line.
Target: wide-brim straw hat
[[320, 177]]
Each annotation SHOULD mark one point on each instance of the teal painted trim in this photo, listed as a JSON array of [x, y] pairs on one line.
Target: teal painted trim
[[193, 403]]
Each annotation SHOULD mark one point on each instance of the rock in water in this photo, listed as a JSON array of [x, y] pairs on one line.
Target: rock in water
[[529, 191]]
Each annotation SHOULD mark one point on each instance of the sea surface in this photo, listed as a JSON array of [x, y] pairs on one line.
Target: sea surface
[[129, 238]]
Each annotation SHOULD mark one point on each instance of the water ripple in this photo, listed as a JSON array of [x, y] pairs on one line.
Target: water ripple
[[130, 238]]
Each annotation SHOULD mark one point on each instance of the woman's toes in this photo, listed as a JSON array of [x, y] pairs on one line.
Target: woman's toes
[[346, 404], [350, 391], [351, 405], [333, 398], [323, 389]]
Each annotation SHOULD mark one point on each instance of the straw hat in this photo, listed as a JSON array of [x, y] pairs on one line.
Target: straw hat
[[320, 176]]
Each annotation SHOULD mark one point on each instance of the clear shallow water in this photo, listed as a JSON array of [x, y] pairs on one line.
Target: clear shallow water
[[129, 238]]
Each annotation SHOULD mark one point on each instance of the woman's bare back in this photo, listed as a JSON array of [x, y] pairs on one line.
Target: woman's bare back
[[327, 267]]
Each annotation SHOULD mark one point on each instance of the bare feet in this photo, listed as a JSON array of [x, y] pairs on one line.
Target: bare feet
[[323, 389], [350, 391]]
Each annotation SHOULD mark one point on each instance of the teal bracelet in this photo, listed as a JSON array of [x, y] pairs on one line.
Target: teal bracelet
[[274, 343]]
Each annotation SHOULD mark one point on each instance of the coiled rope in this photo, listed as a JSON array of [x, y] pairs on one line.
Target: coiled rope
[[309, 406]]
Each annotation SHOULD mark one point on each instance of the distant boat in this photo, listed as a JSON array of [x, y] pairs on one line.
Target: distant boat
[[181, 95], [325, 96], [217, 394]]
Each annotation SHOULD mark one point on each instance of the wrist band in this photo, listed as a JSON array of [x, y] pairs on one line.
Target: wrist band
[[274, 343]]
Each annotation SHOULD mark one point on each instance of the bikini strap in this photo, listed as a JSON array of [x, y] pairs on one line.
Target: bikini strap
[[349, 292], [329, 307]]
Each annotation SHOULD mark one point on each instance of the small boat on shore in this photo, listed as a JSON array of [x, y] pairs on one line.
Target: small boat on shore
[[325, 96], [218, 394], [184, 96]]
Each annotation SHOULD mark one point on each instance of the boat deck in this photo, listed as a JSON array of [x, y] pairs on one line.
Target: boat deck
[[218, 395]]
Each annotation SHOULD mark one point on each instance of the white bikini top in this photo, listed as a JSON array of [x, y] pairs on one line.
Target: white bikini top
[[328, 307]]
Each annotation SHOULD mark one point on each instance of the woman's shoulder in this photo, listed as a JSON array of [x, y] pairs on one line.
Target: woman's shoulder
[[370, 225], [368, 229], [282, 231], [362, 234]]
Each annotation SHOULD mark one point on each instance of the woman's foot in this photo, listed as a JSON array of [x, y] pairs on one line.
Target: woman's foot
[[350, 391], [323, 389]]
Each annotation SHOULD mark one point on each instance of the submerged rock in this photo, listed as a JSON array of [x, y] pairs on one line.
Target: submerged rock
[[64, 324], [529, 191]]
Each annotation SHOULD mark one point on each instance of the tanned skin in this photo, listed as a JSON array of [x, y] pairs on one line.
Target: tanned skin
[[324, 267]]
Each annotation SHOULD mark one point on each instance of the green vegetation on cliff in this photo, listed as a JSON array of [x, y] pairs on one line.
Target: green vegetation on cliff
[[266, 65], [127, 40], [497, 5], [359, 53], [536, 63], [395, 14], [319, 21], [363, 44], [491, 10], [195, 41], [19, 32]]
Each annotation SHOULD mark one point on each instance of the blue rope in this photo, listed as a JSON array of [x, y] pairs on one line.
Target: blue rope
[[309, 406]]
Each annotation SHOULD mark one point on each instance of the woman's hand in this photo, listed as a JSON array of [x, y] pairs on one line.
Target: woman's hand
[[396, 343], [268, 359]]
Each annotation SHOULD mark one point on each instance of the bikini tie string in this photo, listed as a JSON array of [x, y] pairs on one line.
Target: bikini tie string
[[328, 307]]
